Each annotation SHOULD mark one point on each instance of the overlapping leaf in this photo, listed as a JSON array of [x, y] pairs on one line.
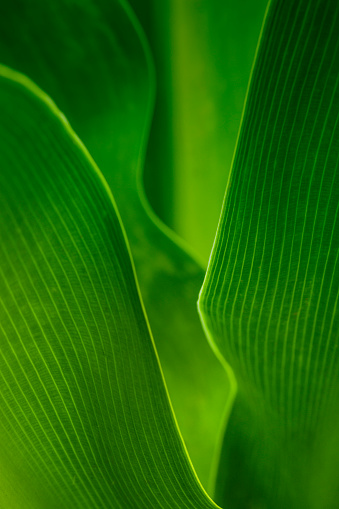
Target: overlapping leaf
[[85, 419], [271, 292], [212, 49], [92, 59]]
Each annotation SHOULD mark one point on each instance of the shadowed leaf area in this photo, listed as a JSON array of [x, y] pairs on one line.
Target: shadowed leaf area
[[270, 296]]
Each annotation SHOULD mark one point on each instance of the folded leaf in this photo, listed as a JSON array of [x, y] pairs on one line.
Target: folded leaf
[[92, 59], [270, 296], [85, 418]]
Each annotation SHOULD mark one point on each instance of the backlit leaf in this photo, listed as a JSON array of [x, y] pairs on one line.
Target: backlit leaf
[[270, 296], [85, 418], [93, 60]]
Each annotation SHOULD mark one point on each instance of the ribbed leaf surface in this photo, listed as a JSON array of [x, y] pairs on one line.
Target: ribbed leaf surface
[[85, 418], [92, 59], [270, 298]]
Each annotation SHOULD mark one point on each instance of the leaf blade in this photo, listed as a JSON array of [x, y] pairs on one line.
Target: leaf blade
[[84, 407], [93, 60], [275, 249]]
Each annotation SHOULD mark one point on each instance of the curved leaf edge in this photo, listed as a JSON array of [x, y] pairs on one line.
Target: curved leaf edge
[[40, 95]]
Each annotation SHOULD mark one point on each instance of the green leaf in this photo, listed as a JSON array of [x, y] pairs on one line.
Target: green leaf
[[203, 52], [213, 46], [93, 60], [85, 417], [270, 296]]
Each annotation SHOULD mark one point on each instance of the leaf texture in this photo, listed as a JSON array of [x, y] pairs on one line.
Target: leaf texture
[[93, 60], [270, 297], [85, 417]]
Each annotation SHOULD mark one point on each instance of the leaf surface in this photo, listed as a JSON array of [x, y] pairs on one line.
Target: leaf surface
[[270, 297], [85, 417], [92, 59], [213, 46]]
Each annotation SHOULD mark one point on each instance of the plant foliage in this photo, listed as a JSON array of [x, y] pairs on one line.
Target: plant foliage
[[86, 419]]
